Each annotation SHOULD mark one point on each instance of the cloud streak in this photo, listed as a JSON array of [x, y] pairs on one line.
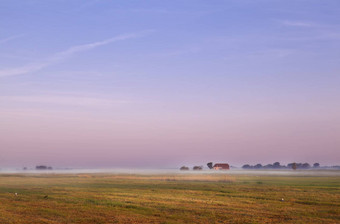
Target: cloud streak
[[63, 100], [58, 57], [297, 24], [5, 40]]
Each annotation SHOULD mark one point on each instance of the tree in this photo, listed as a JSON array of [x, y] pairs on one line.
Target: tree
[[305, 166], [299, 165], [316, 165], [269, 166], [43, 167], [184, 168], [210, 165], [294, 166], [247, 166], [276, 165], [258, 166], [197, 168]]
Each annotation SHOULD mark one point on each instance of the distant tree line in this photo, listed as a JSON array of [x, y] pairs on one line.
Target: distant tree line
[[194, 168], [210, 165], [43, 167], [277, 165]]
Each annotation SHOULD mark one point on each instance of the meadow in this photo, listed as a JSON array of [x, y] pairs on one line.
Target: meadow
[[169, 198]]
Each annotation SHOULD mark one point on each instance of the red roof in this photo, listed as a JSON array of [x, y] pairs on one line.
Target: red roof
[[222, 165]]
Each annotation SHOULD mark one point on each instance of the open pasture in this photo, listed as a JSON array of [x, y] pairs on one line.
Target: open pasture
[[168, 198]]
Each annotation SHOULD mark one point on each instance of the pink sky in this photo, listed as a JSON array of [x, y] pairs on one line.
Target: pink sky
[[130, 135], [169, 83]]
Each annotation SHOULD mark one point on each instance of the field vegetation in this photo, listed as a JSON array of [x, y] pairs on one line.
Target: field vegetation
[[177, 198]]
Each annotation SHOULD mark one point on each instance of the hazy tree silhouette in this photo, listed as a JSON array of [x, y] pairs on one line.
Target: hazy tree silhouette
[[316, 165], [276, 165], [305, 166], [210, 165], [294, 166], [184, 168], [197, 168]]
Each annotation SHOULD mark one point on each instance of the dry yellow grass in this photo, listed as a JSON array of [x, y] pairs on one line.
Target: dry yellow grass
[[173, 177], [184, 198]]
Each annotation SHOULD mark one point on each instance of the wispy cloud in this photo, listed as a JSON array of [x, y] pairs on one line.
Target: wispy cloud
[[88, 4], [67, 53], [2, 41], [297, 23], [166, 11], [63, 100], [178, 52]]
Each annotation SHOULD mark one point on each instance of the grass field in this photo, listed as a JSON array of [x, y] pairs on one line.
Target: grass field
[[180, 198]]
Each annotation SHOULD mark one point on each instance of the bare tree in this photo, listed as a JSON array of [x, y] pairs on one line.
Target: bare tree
[[184, 168], [197, 168], [294, 166]]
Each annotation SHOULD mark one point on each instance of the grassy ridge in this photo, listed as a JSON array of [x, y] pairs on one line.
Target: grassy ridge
[[216, 198]]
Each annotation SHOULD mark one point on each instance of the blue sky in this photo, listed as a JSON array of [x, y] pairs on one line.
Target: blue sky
[[169, 82]]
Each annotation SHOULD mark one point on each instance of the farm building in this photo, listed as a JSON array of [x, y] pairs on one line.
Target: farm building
[[221, 166]]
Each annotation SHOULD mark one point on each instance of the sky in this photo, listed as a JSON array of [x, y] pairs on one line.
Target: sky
[[161, 84]]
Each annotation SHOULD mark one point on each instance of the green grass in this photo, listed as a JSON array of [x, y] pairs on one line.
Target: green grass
[[200, 198]]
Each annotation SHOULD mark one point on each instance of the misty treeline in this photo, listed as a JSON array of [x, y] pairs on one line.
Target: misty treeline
[[194, 168], [277, 165], [43, 167], [210, 165]]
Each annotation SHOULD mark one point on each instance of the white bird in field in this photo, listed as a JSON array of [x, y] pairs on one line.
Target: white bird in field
[[16, 194], [282, 199]]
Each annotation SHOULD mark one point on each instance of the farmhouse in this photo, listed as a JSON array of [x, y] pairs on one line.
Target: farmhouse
[[221, 166]]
